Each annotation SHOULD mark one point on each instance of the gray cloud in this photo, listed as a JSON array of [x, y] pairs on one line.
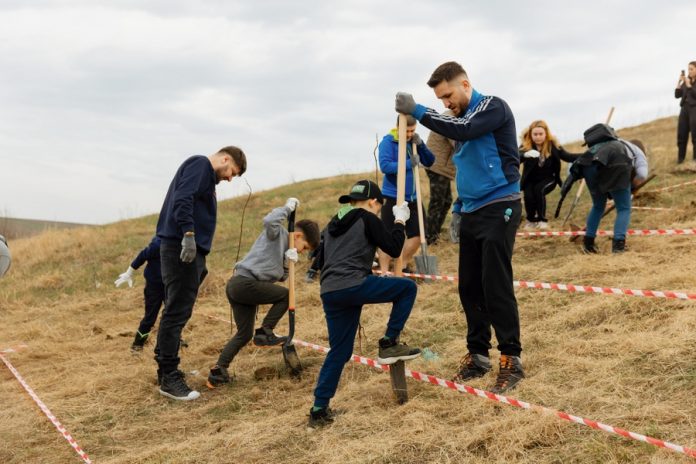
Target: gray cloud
[[102, 101]]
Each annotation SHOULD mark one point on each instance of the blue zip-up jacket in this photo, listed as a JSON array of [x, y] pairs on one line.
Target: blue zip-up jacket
[[487, 158], [190, 205], [389, 163], [150, 255]]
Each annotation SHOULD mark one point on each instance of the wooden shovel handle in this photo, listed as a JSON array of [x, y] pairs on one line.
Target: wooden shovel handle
[[419, 198], [401, 179]]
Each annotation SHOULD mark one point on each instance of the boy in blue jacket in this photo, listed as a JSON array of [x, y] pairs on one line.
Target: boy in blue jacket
[[154, 289], [388, 164]]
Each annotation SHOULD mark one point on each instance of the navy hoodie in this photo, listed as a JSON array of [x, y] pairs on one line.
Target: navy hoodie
[[190, 205], [150, 255]]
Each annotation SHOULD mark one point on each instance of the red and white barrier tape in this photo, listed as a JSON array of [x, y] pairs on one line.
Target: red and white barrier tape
[[632, 232], [13, 349], [672, 187], [513, 402], [46, 411], [571, 287]]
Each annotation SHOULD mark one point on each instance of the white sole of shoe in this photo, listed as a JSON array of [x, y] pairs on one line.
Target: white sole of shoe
[[194, 395], [394, 359]]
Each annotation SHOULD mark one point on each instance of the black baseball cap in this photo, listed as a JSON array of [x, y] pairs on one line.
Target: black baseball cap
[[363, 190]]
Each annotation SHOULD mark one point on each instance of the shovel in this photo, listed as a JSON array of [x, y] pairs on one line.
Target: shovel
[[425, 264], [292, 360]]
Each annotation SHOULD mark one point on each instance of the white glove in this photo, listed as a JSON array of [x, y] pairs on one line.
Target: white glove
[[292, 204], [401, 213], [532, 154], [291, 255], [125, 277]]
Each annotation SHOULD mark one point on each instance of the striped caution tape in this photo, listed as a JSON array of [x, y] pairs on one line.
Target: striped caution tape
[[430, 379], [570, 287], [63, 431], [632, 232], [672, 187], [14, 349]]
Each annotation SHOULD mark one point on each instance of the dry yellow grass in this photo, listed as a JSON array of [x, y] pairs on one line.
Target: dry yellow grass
[[622, 360]]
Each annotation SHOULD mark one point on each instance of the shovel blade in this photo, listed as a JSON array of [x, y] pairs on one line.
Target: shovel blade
[[292, 360], [426, 264], [397, 374]]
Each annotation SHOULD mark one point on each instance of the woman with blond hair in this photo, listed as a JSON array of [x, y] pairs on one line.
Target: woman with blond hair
[[541, 155]]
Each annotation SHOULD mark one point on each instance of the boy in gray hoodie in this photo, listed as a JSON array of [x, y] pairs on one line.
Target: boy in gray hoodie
[[253, 283]]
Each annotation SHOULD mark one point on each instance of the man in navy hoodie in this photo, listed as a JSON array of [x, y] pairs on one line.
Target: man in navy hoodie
[[186, 227], [486, 215]]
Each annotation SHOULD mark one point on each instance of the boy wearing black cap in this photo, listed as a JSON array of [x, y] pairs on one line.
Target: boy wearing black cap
[[347, 283]]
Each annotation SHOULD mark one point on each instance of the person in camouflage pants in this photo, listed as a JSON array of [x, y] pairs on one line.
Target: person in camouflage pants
[[440, 174]]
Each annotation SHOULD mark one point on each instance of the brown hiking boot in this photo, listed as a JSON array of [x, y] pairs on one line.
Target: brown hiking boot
[[510, 373], [472, 366]]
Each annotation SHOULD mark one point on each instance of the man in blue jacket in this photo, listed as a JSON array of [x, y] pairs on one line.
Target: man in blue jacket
[[486, 215], [388, 164], [185, 228]]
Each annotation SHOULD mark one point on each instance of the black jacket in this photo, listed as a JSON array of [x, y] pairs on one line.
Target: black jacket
[[533, 172], [614, 166], [687, 95]]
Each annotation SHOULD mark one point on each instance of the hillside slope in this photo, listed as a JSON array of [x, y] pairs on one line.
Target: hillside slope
[[622, 360]]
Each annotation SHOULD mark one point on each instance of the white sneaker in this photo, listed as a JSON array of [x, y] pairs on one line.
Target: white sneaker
[[543, 225], [530, 225]]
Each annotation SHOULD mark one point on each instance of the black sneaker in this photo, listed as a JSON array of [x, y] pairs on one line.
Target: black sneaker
[[139, 341], [309, 277], [218, 376], [174, 386], [588, 245], [265, 337], [618, 245], [510, 374], [391, 351], [472, 367], [321, 417]]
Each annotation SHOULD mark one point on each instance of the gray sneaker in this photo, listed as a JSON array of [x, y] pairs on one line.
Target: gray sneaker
[[265, 337], [472, 366], [511, 373], [391, 351]]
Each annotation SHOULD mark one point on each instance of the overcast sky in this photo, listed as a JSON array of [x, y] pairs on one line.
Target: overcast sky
[[101, 101]]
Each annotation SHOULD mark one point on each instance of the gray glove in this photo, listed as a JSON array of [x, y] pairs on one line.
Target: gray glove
[[188, 248], [405, 104], [455, 225], [416, 139], [415, 160]]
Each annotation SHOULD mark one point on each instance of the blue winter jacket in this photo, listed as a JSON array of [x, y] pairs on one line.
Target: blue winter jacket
[[486, 158], [389, 163], [150, 255]]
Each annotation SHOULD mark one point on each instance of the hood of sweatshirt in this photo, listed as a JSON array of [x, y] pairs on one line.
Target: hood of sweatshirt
[[344, 220]]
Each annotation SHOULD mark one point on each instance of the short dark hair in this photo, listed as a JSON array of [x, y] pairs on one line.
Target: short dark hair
[[445, 73], [692, 63], [639, 144], [310, 229], [237, 155], [410, 120]]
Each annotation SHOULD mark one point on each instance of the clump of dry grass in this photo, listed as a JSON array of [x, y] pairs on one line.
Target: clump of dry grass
[[625, 361]]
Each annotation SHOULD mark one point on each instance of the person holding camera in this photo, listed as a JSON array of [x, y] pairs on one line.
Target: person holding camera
[[686, 92]]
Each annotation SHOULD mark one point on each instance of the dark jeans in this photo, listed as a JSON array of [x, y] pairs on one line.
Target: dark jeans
[[622, 201], [439, 206], [181, 282], [154, 297], [486, 291], [535, 199], [686, 126], [342, 309], [244, 294]]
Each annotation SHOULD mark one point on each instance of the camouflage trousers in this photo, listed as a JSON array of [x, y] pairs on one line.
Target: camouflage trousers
[[440, 203]]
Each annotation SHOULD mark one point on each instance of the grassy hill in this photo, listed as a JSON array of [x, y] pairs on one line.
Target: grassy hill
[[621, 360], [12, 228]]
